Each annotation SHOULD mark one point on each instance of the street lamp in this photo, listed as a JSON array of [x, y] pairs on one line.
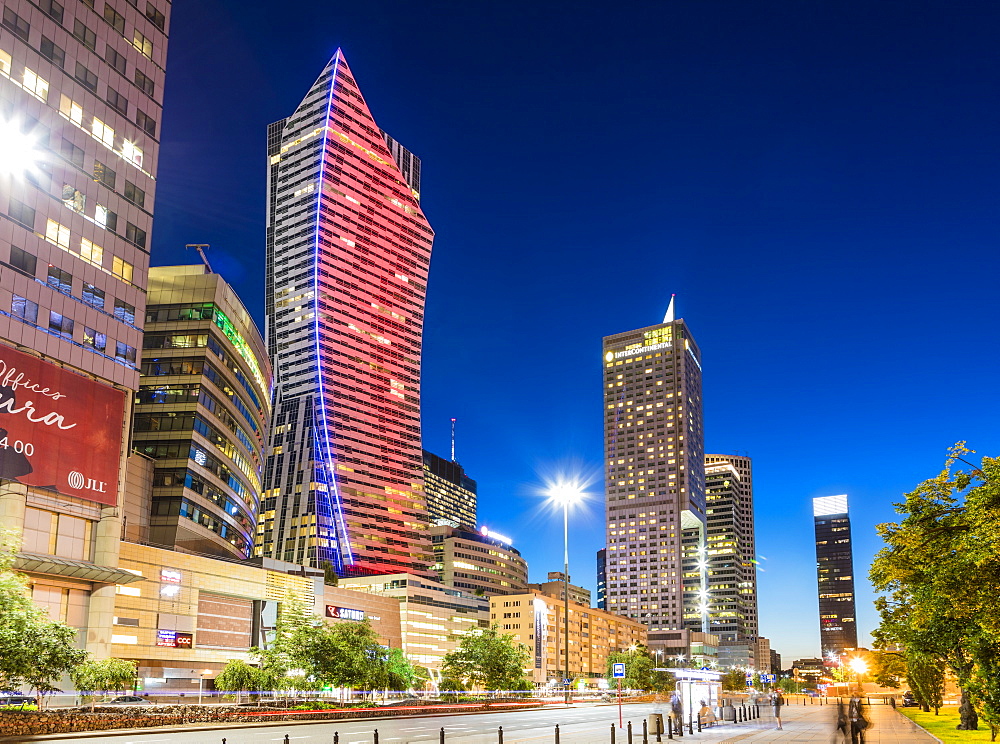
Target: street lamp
[[860, 667], [565, 494], [201, 683]]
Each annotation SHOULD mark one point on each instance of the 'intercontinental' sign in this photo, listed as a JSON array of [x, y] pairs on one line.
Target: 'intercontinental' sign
[[58, 430], [638, 350]]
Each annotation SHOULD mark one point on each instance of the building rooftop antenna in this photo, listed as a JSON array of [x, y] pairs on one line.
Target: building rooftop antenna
[[453, 440], [200, 247]]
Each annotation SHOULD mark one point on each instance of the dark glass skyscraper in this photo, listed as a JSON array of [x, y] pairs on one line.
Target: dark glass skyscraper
[[838, 630], [451, 494], [348, 249]]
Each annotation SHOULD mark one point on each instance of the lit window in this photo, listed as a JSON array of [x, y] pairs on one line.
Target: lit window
[[58, 234], [74, 198], [4, 63], [35, 85], [143, 44], [91, 252], [122, 269], [71, 110], [103, 132], [132, 153]]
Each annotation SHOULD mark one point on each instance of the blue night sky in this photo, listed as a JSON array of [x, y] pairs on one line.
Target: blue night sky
[[818, 183]]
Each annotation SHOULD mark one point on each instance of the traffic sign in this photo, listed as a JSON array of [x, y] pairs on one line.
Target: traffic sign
[[566, 681], [618, 670]]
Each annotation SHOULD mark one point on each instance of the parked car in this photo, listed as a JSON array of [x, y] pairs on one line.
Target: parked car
[[909, 700], [15, 698], [126, 700]]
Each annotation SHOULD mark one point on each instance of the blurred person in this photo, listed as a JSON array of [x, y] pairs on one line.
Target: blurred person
[[857, 718], [777, 700]]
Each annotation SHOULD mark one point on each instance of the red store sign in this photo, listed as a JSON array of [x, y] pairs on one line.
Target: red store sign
[[59, 430]]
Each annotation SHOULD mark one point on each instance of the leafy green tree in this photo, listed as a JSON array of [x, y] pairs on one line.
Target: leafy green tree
[[96, 676], [395, 672], [488, 659], [639, 674], [940, 575], [241, 678], [735, 680], [888, 668], [34, 650]]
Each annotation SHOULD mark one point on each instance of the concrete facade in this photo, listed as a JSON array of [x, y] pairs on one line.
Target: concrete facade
[[477, 563]]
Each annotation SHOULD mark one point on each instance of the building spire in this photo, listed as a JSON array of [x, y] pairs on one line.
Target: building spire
[[669, 317], [453, 440]]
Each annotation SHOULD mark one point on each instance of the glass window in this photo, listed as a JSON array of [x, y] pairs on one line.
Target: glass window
[[35, 85], [118, 102], [103, 174], [58, 234], [95, 339], [91, 252], [22, 260], [134, 194], [60, 324], [122, 269], [105, 218], [72, 153], [103, 132], [125, 352], [74, 198], [52, 9], [115, 59], [24, 309], [124, 312], [60, 280], [84, 34], [22, 214], [144, 83], [155, 16], [132, 152], [71, 110], [15, 24], [53, 53], [115, 18], [143, 44], [135, 235], [147, 123], [93, 296], [86, 77]]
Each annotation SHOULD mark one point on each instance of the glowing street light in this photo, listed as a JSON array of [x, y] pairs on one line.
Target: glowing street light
[[565, 493]]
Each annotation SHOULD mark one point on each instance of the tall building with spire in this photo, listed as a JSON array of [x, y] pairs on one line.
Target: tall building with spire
[[348, 249], [654, 472], [838, 629]]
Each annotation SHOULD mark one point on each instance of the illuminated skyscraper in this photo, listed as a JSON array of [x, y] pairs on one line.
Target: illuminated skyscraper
[[654, 472], [348, 250], [732, 580], [838, 630], [451, 494], [81, 91]]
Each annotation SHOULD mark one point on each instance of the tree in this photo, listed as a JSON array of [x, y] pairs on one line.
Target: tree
[[96, 676], [735, 680], [639, 673], [888, 668], [34, 650], [240, 677], [489, 659], [940, 572]]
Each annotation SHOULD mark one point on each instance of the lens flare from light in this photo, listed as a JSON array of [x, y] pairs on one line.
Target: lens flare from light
[[19, 155]]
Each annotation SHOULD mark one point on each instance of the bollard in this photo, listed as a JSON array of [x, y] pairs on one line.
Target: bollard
[[645, 731], [629, 729], [336, 737], [699, 723], [442, 735], [376, 737], [557, 733], [500, 735], [286, 739], [612, 733], [670, 728], [690, 726]]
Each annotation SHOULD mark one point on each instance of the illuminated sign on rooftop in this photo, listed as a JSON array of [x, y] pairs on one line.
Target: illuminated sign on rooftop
[[826, 505], [487, 532]]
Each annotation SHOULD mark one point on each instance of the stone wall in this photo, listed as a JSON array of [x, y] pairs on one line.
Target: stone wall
[[15, 724]]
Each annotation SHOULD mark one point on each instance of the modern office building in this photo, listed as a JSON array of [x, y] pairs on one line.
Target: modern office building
[[775, 662], [763, 655], [838, 631], [602, 579], [348, 249], [537, 621], [81, 89], [732, 570], [555, 587], [684, 647], [654, 474], [202, 413], [451, 494], [482, 562], [433, 617]]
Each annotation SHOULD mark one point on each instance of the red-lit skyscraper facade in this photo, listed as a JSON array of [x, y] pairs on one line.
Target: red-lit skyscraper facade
[[348, 249]]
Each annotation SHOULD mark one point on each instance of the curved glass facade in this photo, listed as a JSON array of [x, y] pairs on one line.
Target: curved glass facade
[[202, 413]]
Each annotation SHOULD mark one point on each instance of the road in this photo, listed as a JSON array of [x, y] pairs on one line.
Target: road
[[579, 725]]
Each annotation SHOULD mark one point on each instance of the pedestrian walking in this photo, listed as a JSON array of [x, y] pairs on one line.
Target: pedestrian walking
[[841, 731], [777, 700], [677, 711], [858, 719]]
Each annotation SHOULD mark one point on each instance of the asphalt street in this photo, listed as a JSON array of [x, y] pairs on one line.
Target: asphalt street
[[584, 723]]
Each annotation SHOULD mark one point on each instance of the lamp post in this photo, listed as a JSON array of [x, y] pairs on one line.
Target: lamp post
[[565, 494], [201, 683], [860, 667]]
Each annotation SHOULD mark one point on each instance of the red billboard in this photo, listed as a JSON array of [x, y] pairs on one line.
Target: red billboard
[[58, 430]]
